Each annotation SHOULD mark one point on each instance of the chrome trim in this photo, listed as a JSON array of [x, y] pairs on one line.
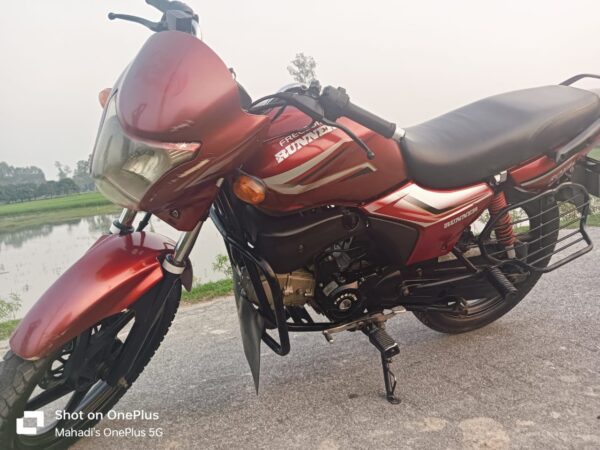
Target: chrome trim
[[185, 245], [172, 268], [399, 134], [125, 219], [501, 177]]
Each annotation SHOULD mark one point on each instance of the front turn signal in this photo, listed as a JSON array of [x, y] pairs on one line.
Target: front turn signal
[[249, 189]]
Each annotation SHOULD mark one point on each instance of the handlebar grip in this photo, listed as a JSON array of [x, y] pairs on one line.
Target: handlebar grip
[[369, 120], [336, 103]]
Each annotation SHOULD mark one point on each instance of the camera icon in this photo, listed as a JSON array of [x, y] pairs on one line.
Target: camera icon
[[30, 430]]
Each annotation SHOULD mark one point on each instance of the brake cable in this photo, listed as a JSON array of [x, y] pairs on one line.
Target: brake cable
[[257, 107]]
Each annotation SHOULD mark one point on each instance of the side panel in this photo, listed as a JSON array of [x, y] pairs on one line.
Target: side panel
[[543, 172], [440, 216], [113, 274], [320, 165]]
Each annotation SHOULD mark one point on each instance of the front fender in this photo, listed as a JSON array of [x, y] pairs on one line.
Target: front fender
[[109, 277]]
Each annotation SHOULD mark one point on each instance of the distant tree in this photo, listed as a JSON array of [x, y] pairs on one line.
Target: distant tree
[[64, 171], [67, 186], [20, 175], [26, 191], [19, 184], [303, 69], [81, 176], [43, 190]]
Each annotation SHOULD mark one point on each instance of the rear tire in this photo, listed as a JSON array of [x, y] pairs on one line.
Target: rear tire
[[444, 322], [454, 324]]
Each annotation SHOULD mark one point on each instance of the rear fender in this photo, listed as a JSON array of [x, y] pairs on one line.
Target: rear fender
[[114, 273]]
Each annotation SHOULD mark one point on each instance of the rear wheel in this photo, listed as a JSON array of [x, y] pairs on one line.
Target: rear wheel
[[47, 384], [484, 305]]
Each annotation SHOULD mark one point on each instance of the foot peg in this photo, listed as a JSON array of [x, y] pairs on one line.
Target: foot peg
[[502, 284], [388, 349]]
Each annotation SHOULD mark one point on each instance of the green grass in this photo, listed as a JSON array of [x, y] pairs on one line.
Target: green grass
[[207, 291], [20, 216], [87, 200], [7, 327], [593, 220], [595, 154]]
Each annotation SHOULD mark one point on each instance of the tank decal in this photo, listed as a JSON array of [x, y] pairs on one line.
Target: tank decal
[[288, 176], [294, 188], [301, 140]]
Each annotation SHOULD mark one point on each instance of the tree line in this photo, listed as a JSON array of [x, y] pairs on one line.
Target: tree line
[[19, 184]]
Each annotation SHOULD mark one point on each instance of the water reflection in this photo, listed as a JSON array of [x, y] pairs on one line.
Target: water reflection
[[98, 224], [30, 260], [16, 239]]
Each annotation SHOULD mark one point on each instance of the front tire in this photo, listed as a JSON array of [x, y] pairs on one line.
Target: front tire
[[19, 379]]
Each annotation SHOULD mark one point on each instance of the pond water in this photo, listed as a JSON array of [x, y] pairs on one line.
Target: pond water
[[31, 260]]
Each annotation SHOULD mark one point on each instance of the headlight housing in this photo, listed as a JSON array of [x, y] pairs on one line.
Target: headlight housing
[[124, 168]]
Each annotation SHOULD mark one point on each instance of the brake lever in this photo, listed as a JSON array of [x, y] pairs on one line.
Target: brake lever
[[362, 144], [312, 108], [153, 26]]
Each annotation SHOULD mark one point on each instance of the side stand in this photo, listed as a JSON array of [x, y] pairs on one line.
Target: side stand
[[388, 349]]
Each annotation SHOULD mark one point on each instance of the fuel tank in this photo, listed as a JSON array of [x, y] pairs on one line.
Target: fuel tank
[[306, 164]]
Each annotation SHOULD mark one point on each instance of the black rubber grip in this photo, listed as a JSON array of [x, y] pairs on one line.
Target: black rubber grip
[[502, 284], [369, 120], [383, 342], [336, 103]]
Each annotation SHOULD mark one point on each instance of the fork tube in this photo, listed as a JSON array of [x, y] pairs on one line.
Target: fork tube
[[124, 223], [186, 244]]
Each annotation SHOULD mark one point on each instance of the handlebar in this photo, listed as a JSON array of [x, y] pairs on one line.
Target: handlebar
[[153, 26], [176, 16], [336, 103], [332, 104]]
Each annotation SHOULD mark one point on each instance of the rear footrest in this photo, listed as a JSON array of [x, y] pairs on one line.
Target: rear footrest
[[502, 284]]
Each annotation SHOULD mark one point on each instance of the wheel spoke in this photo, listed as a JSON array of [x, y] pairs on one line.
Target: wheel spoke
[[48, 396]]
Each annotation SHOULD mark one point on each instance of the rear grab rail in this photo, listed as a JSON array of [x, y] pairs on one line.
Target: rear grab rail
[[576, 78]]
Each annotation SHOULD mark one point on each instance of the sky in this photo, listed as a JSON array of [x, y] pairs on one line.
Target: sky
[[404, 60]]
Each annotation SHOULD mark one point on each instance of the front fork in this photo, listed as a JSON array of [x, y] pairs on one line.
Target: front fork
[[175, 263], [149, 312]]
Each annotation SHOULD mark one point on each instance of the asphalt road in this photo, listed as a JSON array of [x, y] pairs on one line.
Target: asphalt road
[[529, 380]]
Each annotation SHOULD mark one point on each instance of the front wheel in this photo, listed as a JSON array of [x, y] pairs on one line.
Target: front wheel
[[48, 384]]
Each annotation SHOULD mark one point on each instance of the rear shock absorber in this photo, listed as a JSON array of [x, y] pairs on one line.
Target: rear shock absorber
[[503, 227]]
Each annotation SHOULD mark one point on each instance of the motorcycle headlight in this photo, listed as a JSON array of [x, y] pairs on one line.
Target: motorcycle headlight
[[125, 168]]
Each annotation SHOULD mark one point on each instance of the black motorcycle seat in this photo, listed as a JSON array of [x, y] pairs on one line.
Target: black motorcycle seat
[[479, 140]]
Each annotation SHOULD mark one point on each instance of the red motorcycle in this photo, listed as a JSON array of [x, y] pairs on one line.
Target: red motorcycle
[[334, 220]]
